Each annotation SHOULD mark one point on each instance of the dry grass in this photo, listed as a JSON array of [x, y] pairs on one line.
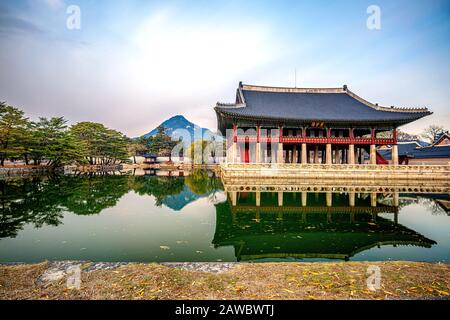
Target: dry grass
[[246, 281]]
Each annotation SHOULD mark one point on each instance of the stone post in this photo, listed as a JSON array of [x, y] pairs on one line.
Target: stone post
[[280, 153], [373, 154], [351, 196], [351, 154], [316, 154], [373, 199], [234, 152], [304, 198], [304, 153], [258, 153], [229, 157], [329, 197], [337, 155], [234, 198], [294, 155], [280, 198], [258, 145], [329, 154], [395, 155], [396, 199]]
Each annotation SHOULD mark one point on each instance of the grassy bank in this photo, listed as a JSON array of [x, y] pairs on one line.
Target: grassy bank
[[399, 280]]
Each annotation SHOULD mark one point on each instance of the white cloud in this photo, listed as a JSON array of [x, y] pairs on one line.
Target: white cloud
[[54, 4], [166, 52]]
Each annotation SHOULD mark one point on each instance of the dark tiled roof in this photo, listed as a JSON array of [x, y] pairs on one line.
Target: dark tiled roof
[[403, 150], [411, 149], [432, 152], [419, 142], [313, 105], [441, 137]]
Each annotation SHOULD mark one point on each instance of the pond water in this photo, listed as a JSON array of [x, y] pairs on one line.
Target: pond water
[[183, 219]]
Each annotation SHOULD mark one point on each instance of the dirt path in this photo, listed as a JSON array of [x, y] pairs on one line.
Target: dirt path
[[399, 280]]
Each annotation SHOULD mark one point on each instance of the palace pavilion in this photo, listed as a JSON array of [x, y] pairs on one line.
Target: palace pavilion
[[309, 125]]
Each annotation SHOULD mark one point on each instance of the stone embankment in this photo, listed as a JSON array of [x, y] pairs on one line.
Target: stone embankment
[[93, 168], [26, 171]]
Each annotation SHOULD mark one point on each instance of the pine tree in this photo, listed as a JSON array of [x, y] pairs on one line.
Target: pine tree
[[13, 126]]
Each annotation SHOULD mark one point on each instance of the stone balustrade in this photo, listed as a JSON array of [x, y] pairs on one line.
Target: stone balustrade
[[399, 175]]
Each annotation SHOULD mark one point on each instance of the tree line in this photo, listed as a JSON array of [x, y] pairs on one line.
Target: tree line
[[52, 142]]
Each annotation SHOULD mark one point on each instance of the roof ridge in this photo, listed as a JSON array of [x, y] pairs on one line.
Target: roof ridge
[[250, 87], [381, 108], [230, 105]]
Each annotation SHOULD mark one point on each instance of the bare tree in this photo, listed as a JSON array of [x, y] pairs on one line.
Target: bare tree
[[431, 132], [404, 136]]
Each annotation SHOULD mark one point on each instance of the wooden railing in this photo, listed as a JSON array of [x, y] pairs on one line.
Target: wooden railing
[[317, 140]]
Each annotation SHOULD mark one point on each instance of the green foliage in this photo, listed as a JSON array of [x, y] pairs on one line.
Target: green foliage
[[50, 140], [44, 200], [197, 149], [13, 125], [201, 183], [160, 144], [91, 194], [101, 145], [198, 182], [159, 187], [136, 148]]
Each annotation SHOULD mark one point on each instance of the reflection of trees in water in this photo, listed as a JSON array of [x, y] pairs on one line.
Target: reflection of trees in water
[[432, 206], [433, 203], [42, 200], [159, 187], [91, 195], [28, 201], [201, 183]]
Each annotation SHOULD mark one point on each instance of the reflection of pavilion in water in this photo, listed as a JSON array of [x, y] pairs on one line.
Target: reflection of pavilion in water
[[310, 225]]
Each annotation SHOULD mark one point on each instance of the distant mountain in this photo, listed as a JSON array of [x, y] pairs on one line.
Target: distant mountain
[[182, 199], [180, 122]]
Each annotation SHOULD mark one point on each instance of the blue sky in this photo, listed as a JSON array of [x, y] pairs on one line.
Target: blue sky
[[135, 63]]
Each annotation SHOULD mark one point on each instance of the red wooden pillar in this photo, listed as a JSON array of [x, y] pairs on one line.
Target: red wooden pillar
[[234, 133], [281, 134], [395, 135], [373, 135], [247, 150]]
